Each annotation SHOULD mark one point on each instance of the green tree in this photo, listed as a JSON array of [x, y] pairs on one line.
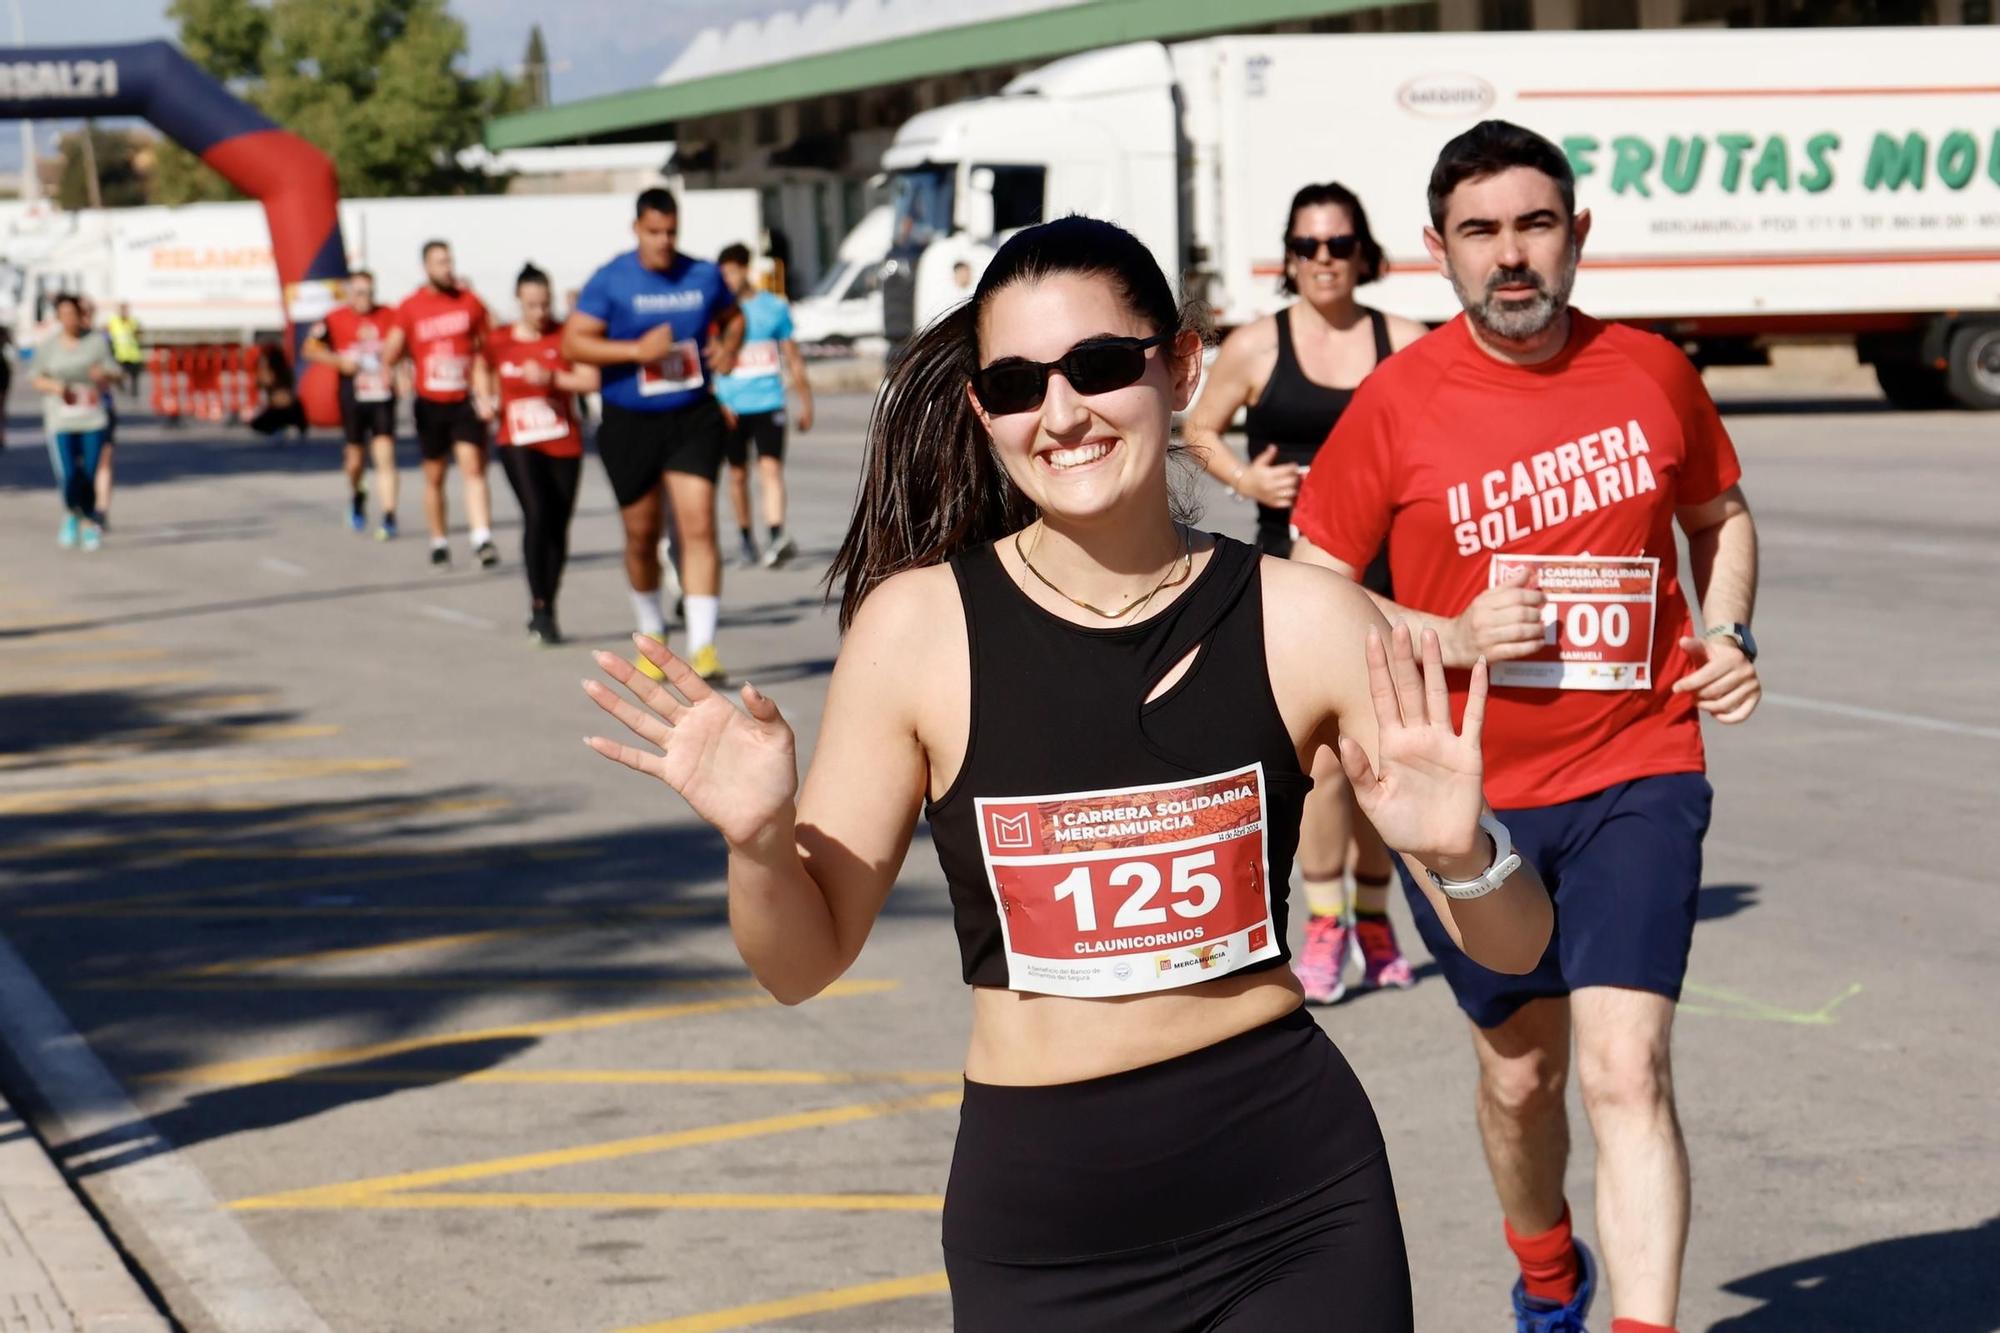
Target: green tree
[[372, 83], [122, 160]]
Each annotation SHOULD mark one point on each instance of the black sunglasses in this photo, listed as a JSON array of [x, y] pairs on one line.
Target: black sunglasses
[[1337, 247], [1099, 366]]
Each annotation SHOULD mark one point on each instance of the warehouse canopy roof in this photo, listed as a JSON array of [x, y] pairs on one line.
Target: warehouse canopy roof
[[856, 44]]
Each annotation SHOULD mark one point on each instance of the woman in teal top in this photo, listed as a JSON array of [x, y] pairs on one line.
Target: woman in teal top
[[753, 402], [74, 372]]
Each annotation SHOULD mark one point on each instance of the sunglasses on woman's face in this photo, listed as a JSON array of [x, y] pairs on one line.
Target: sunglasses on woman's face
[[1014, 384], [1337, 247]]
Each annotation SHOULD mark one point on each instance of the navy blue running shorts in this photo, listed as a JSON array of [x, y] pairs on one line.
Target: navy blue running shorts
[[1624, 868]]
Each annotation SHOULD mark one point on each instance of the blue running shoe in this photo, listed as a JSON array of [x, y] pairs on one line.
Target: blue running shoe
[[67, 534], [1539, 1316]]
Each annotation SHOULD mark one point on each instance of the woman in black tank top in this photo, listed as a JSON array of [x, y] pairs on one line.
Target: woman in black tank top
[[1289, 412], [1082, 691]]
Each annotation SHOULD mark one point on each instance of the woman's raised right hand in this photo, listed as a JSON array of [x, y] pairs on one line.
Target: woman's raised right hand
[[738, 769]]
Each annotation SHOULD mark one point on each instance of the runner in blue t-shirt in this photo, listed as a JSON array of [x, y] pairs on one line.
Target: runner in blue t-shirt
[[753, 401], [662, 326]]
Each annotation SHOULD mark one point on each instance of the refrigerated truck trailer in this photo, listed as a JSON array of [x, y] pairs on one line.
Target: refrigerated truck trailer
[[1747, 186]]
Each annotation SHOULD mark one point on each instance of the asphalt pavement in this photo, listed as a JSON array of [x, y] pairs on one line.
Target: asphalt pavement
[[401, 1011]]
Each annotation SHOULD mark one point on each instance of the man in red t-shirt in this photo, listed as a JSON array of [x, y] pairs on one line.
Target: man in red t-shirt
[[1526, 465], [443, 326], [354, 340]]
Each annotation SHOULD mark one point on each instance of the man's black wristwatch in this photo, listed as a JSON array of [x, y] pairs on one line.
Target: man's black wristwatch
[[1740, 633]]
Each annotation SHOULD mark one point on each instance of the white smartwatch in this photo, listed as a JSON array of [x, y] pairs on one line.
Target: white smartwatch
[[1505, 862]]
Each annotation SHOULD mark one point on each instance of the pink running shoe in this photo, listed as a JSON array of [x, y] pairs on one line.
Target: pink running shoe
[[1382, 963], [1322, 964]]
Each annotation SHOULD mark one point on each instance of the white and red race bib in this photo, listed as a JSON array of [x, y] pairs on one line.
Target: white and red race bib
[[371, 378], [1107, 893], [755, 361], [1597, 624], [676, 372], [444, 373], [535, 421]]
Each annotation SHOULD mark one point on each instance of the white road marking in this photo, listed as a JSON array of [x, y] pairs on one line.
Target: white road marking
[[454, 617], [1914, 721], [236, 1285], [1834, 541], [277, 566]]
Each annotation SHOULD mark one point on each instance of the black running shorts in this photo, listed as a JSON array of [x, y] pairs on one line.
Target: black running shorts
[[441, 425], [762, 431], [361, 422], [1235, 1186], [638, 446]]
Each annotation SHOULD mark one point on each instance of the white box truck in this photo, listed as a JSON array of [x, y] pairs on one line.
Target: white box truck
[[1747, 186]]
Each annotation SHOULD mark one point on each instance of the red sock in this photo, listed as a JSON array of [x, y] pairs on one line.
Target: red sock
[[1639, 1326], [1550, 1270]]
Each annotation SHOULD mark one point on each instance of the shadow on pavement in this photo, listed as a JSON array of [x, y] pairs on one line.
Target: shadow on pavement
[[1942, 1282], [1719, 902], [36, 729], [220, 1112]]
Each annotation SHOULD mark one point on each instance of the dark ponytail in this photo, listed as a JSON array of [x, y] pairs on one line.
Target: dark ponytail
[[529, 273], [931, 485]]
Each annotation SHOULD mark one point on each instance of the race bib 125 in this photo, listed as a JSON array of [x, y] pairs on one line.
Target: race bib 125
[[1122, 892]]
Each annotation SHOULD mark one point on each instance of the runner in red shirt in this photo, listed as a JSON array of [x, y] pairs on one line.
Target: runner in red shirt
[[354, 340], [541, 442], [1526, 466], [442, 326]]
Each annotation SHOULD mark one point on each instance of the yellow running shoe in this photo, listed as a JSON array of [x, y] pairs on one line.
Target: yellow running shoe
[[708, 666], [645, 663]]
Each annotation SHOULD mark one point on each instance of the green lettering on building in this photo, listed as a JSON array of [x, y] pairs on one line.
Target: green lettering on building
[[1820, 175], [1682, 167], [1958, 159], [1635, 159], [1735, 145], [1774, 166], [1578, 147], [1890, 163]]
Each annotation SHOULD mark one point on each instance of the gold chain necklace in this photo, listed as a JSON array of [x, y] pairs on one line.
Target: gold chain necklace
[[1167, 580]]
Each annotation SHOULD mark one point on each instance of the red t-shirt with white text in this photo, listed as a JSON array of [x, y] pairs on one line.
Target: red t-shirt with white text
[[536, 416], [442, 330], [1470, 469], [346, 329]]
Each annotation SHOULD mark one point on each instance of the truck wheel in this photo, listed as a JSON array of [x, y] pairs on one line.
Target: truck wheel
[[1974, 377], [1910, 387]]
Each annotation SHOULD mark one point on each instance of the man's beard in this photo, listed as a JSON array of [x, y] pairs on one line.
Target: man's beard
[[1518, 320]]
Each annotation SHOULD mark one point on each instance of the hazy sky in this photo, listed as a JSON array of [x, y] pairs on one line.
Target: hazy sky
[[597, 46]]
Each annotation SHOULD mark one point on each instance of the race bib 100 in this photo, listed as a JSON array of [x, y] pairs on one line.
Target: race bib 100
[[1597, 624], [444, 374], [676, 372], [1107, 893]]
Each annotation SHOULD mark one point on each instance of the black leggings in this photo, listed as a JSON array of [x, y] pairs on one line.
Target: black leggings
[[546, 488], [1240, 1187]]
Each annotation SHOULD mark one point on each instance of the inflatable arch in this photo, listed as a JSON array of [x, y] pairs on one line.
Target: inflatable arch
[[292, 179]]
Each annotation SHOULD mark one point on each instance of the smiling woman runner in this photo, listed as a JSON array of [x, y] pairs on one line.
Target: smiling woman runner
[[1155, 1135]]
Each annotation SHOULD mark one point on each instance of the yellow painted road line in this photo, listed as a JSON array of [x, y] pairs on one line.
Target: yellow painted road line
[[399, 911], [367, 1192], [72, 798], [121, 682], [453, 941], [264, 1069], [444, 1200], [590, 1078], [95, 842], [307, 985], [196, 738], [33, 657], [791, 1307]]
